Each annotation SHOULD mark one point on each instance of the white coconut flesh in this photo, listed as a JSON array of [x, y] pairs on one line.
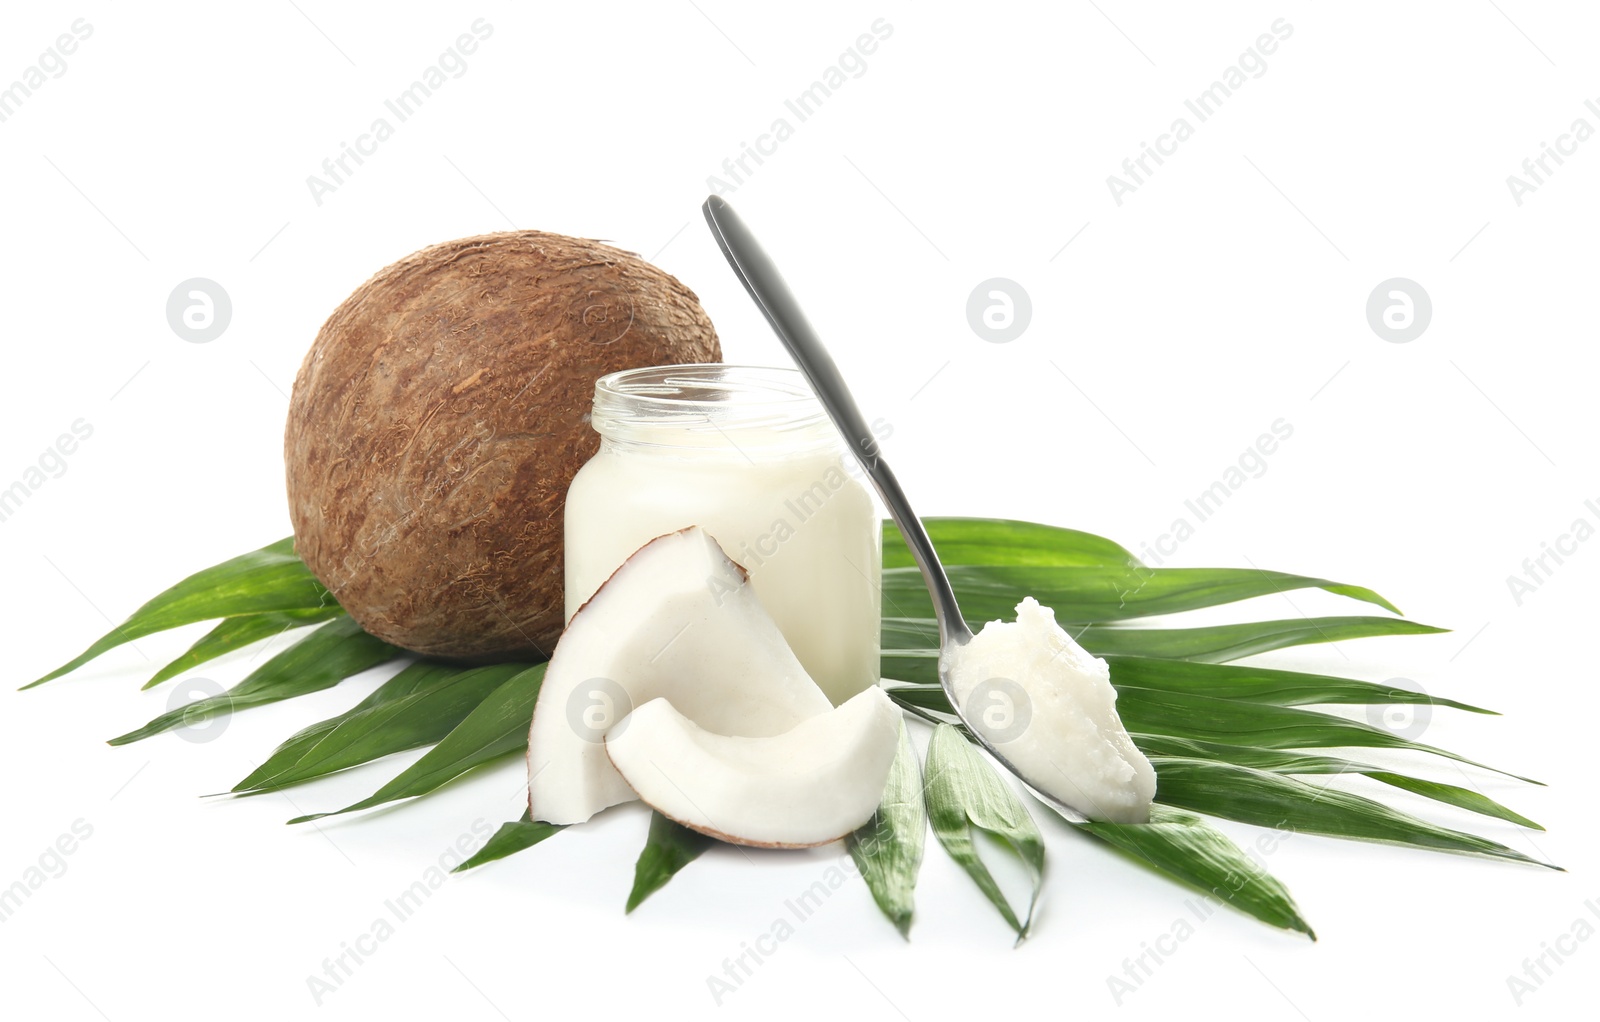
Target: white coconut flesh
[[677, 621], [1048, 707], [813, 784]]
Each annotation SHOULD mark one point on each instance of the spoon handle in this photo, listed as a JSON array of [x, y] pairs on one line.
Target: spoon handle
[[767, 287]]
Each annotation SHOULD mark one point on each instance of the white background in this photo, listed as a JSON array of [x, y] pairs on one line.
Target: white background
[[1226, 292]]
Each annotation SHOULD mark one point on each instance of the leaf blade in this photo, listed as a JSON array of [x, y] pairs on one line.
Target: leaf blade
[[334, 652], [268, 579], [417, 707], [964, 794], [1207, 718], [1187, 849], [512, 837], [669, 847], [887, 850], [1265, 685], [497, 727], [419, 674], [1268, 799], [235, 633], [1100, 593], [1220, 643], [1453, 795], [1288, 761], [1004, 541]]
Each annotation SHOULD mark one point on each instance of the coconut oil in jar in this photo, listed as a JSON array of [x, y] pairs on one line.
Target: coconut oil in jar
[[749, 455]]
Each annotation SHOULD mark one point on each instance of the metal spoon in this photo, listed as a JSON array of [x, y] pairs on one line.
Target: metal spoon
[[766, 285]]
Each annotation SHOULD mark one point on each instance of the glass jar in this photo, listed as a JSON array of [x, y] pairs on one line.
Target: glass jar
[[749, 455]]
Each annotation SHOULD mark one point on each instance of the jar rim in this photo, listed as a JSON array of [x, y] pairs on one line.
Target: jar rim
[[710, 404]]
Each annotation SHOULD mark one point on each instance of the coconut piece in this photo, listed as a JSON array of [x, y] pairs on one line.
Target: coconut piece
[[678, 620], [439, 417], [1047, 706], [810, 785]]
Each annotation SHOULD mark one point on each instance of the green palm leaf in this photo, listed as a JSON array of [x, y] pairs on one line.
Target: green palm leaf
[[497, 727], [269, 579], [1004, 541], [668, 848], [965, 796], [236, 633], [1260, 724], [1288, 761], [1264, 685], [1231, 642], [1270, 799], [1452, 795], [1099, 593], [418, 676], [1194, 853], [888, 849], [332, 653], [513, 837], [419, 706]]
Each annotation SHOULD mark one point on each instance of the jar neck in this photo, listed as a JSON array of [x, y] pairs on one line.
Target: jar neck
[[711, 409], [733, 448]]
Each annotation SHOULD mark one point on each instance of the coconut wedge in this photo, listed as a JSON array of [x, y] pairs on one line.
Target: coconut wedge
[[677, 621], [813, 784]]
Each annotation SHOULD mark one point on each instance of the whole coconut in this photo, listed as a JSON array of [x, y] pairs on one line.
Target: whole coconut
[[442, 412]]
